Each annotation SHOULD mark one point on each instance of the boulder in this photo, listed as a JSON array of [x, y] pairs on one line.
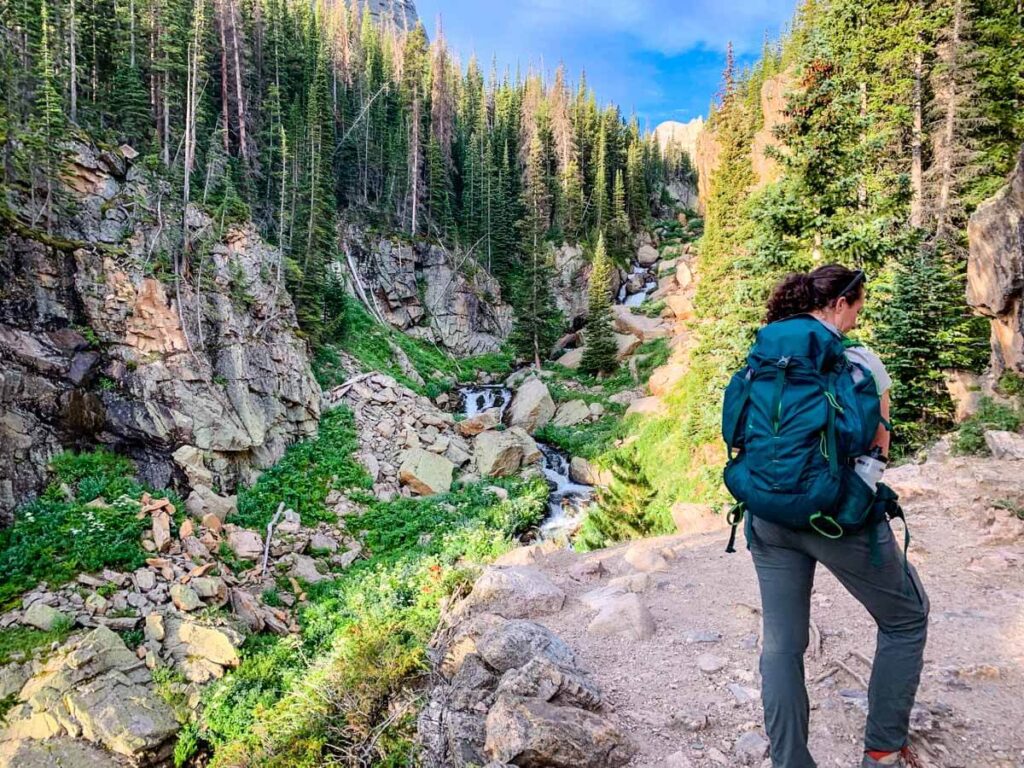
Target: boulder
[[426, 473], [995, 270], [625, 345], [43, 617], [515, 593], [571, 359], [482, 421], [246, 544], [204, 501], [684, 275], [965, 391], [96, 689], [1007, 446], [190, 460], [199, 650], [680, 305], [644, 328], [533, 733], [60, 752], [512, 644], [185, 598], [624, 614], [647, 406], [583, 472], [304, 569], [647, 255], [501, 454], [571, 413], [664, 379], [531, 407]]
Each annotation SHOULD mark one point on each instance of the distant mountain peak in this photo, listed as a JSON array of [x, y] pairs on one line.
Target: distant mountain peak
[[403, 12]]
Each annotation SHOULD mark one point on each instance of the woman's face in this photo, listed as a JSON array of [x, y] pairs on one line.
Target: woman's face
[[846, 313]]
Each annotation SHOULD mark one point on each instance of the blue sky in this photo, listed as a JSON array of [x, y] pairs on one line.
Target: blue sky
[[661, 58]]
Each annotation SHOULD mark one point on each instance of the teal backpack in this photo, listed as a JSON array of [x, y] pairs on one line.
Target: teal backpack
[[793, 419]]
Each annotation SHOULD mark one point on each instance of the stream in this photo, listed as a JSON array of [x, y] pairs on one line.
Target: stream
[[567, 501]]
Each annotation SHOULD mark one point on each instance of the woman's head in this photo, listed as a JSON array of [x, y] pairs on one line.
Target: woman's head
[[834, 292]]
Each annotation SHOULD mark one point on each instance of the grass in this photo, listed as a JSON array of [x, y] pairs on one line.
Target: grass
[[589, 441], [970, 438], [60, 535], [306, 474], [372, 345], [20, 642]]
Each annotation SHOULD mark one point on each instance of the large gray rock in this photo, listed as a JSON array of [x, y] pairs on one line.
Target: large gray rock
[[571, 413], [42, 617], [60, 752], [515, 593], [512, 644], [1005, 445], [533, 733], [426, 473], [531, 407], [502, 454], [97, 689], [995, 269]]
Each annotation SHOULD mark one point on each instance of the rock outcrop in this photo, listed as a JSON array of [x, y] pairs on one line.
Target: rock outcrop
[[99, 344], [396, 428], [97, 690], [431, 293], [401, 12], [995, 270]]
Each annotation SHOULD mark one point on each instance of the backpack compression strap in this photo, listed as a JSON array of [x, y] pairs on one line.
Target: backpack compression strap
[[729, 431], [734, 517]]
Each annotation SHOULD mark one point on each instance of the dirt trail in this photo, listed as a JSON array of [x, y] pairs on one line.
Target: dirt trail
[[704, 602]]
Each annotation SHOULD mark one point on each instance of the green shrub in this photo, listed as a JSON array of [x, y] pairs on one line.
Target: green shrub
[[364, 636], [623, 509], [970, 438], [60, 535], [306, 474], [1012, 384]]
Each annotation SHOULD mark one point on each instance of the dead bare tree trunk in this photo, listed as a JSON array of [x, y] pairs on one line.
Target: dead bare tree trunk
[[239, 93], [223, 76], [916, 167], [73, 54]]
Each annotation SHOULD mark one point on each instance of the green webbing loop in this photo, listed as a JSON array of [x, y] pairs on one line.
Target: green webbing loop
[[836, 531], [830, 396], [780, 382], [830, 429]]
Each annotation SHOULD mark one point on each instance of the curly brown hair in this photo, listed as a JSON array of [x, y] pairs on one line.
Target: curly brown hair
[[801, 292]]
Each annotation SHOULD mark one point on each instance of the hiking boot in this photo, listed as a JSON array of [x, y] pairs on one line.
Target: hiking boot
[[905, 758]]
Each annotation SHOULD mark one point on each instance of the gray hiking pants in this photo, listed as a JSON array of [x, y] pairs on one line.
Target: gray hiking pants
[[785, 561]]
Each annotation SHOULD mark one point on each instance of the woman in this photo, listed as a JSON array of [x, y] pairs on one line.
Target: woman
[[785, 561]]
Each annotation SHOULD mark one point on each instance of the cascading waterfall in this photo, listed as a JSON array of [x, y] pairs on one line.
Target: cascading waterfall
[[567, 501]]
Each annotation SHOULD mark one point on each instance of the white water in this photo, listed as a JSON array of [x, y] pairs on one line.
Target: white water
[[568, 501]]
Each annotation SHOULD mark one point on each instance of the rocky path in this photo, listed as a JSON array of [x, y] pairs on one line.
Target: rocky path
[[669, 630]]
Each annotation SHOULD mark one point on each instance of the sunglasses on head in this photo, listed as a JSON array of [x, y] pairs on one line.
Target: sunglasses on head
[[858, 278]]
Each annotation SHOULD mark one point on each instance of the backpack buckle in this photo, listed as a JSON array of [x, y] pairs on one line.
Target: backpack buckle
[[783, 362]]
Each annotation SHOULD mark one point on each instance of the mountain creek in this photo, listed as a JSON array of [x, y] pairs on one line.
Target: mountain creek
[[360, 409]]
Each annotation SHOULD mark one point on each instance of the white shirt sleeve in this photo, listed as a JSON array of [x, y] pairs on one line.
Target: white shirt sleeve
[[871, 361]]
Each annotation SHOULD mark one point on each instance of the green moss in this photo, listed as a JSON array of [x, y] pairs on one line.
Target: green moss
[[590, 440]]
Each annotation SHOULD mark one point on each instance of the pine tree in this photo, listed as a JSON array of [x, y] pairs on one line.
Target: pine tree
[[600, 350], [619, 235], [623, 508], [47, 124], [538, 321]]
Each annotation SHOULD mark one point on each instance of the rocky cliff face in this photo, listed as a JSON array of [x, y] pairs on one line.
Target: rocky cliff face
[[766, 169], [430, 292], [403, 12], [98, 345], [995, 270]]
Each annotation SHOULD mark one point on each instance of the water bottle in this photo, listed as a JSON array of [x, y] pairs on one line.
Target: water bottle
[[871, 466]]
